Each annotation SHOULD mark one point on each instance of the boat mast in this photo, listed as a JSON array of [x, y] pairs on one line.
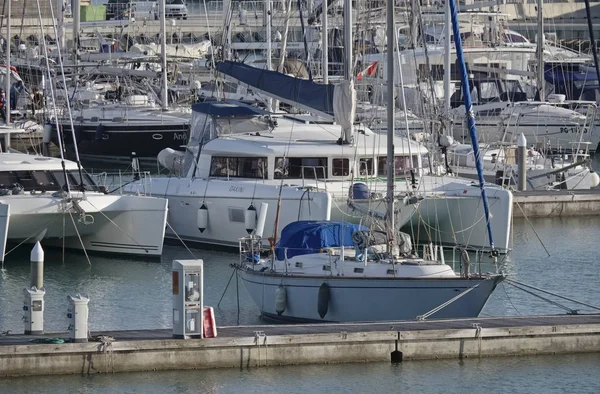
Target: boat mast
[[470, 115], [59, 134], [447, 64], [76, 27], [163, 54], [592, 39], [390, 123], [269, 47], [8, 73], [325, 41], [348, 39], [348, 63], [540, 51]]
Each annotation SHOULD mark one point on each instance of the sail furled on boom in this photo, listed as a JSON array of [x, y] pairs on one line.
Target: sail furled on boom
[[307, 95]]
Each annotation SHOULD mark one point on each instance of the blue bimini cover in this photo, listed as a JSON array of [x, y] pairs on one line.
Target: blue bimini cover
[[309, 236]]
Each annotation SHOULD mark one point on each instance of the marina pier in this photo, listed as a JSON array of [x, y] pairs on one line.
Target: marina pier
[[274, 345], [556, 203]]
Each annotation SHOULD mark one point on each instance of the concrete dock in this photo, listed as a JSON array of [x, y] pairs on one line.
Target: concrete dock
[[556, 203], [272, 345]]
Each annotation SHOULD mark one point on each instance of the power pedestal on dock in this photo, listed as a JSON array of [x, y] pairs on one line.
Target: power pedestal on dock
[[78, 318], [33, 311], [188, 298]]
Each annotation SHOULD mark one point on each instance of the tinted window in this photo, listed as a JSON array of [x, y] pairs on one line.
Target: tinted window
[[241, 167], [341, 167], [301, 167], [7, 179]]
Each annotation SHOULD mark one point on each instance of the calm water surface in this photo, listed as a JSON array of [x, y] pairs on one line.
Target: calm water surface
[[130, 294]]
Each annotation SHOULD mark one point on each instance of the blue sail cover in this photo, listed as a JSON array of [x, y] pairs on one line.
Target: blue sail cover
[[228, 109], [311, 95], [309, 236]]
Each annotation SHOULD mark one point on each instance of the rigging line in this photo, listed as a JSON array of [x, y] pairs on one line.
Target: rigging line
[[569, 310], [31, 236], [226, 287], [181, 240], [62, 70], [533, 228], [117, 226], [513, 281], [445, 304], [59, 135], [79, 237]]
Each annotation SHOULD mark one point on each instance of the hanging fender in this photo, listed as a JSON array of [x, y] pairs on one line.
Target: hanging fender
[[99, 132], [250, 219], [280, 299], [323, 300], [202, 218]]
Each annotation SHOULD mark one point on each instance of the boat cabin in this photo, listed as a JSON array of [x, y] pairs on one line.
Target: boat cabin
[[248, 142], [40, 174]]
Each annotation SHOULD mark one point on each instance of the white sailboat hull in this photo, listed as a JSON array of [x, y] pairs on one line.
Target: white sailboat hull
[[452, 213], [455, 206], [367, 299], [130, 225]]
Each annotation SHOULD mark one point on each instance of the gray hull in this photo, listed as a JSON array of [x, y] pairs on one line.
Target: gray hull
[[368, 299]]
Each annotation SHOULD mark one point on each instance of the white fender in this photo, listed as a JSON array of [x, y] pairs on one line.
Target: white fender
[[250, 219], [202, 218]]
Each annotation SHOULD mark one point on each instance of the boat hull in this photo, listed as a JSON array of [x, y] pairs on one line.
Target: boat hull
[[117, 141], [451, 215], [227, 203], [368, 299], [129, 225]]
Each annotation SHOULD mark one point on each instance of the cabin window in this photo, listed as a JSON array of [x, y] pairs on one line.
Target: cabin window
[[74, 180], [301, 167], [401, 164], [238, 167], [488, 91], [7, 179], [236, 215], [43, 179], [366, 167], [25, 179], [77, 180], [340, 167]]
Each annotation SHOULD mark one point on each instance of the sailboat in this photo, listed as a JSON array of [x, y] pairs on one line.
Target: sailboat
[[339, 272]]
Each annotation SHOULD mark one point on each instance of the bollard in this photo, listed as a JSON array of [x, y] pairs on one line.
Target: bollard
[[33, 308], [37, 266], [78, 318], [522, 161]]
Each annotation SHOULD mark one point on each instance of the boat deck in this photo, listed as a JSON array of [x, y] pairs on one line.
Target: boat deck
[[333, 328]]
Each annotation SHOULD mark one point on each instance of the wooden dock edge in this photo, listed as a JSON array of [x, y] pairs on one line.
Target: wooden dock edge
[[261, 351]]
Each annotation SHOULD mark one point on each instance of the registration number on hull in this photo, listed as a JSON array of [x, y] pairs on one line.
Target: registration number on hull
[[572, 129]]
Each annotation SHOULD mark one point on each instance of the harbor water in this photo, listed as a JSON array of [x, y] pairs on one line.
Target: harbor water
[[136, 294]]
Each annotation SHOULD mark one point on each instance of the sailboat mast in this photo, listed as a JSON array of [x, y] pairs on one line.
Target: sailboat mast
[[269, 47], [325, 41], [390, 121], [592, 39], [470, 115], [447, 63], [8, 73], [540, 51], [163, 54], [348, 39]]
